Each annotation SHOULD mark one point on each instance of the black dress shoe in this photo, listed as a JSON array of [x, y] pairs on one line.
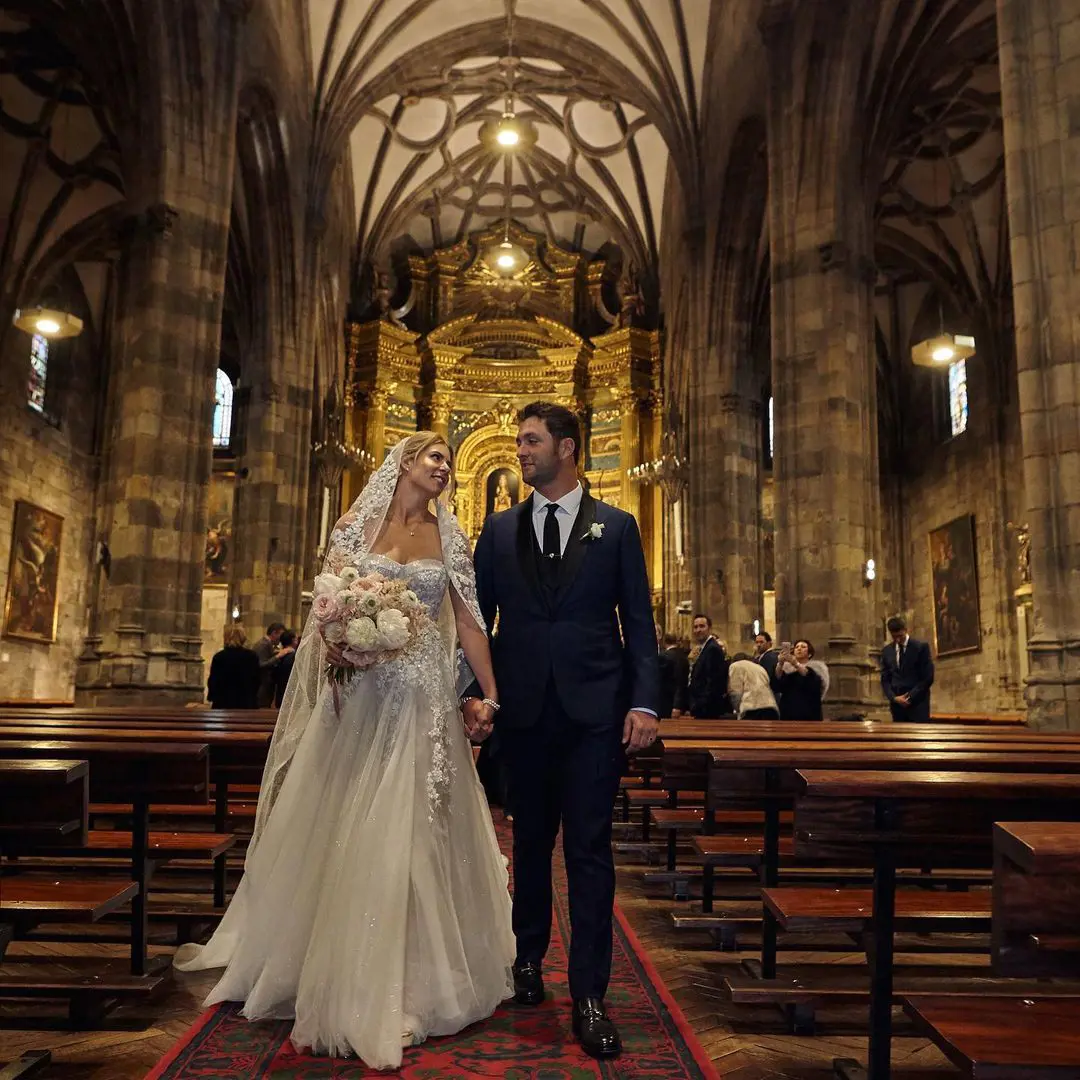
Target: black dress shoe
[[598, 1036], [528, 984]]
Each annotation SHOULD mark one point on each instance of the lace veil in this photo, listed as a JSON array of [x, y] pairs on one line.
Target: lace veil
[[351, 540]]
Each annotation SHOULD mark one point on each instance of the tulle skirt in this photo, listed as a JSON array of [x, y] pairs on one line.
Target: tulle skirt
[[367, 909]]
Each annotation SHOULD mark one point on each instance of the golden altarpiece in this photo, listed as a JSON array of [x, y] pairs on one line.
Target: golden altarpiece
[[475, 343]]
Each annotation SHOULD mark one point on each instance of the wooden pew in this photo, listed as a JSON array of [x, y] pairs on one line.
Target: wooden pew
[[235, 758], [929, 818], [1002, 1038], [136, 772], [1011, 719], [764, 775], [43, 804], [1036, 925]]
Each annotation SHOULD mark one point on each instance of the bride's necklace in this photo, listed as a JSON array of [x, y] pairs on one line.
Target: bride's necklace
[[410, 529]]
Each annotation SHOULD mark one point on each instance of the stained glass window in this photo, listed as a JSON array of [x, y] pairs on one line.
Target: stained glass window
[[958, 397], [223, 408], [771, 429], [39, 372]]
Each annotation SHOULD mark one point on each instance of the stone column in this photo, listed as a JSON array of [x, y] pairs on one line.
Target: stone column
[[732, 517], [824, 391], [145, 628], [269, 568], [1040, 55]]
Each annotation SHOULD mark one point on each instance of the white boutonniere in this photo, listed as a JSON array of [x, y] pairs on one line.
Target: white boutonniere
[[595, 532]]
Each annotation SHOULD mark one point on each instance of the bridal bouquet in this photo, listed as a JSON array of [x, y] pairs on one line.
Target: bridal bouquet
[[372, 619]]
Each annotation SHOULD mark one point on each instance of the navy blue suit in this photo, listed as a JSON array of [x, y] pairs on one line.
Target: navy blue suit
[[575, 649], [914, 676]]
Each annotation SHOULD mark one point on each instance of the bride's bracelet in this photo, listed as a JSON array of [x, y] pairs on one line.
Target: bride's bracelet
[[494, 704]]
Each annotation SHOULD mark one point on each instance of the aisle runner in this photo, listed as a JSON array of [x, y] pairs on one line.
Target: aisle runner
[[523, 1044]]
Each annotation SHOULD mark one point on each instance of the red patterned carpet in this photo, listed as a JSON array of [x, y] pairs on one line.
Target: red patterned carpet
[[523, 1044]]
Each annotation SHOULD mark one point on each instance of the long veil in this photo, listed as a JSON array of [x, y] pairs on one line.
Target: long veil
[[351, 540]]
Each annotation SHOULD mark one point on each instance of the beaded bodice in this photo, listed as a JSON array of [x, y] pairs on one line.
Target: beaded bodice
[[426, 577]]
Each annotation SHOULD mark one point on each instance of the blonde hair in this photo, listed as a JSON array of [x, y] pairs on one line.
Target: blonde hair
[[418, 444], [235, 635]]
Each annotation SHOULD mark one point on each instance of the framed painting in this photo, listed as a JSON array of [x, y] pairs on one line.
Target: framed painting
[[32, 603], [955, 583]]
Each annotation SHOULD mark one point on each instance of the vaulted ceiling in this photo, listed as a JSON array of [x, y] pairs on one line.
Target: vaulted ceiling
[[609, 88]]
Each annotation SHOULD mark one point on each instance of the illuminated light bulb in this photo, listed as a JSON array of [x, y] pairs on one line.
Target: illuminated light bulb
[[943, 354], [48, 326], [505, 262], [508, 137]]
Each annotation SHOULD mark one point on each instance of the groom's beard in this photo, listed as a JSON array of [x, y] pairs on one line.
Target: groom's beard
[[541, 474]]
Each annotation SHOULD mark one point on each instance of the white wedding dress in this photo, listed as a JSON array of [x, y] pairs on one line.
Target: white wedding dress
[[375, 902]]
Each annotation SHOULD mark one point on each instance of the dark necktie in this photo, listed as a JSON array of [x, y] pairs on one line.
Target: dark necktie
[[900, 662], [552, 539]]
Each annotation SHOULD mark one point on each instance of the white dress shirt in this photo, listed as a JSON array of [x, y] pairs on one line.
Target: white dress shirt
[[901, 645], [566, 515]]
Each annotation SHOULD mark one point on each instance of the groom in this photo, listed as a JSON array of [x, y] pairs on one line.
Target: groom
[[576, 666]]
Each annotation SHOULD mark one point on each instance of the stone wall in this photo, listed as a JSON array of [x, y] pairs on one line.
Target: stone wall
[[974, 473], [51, 463]]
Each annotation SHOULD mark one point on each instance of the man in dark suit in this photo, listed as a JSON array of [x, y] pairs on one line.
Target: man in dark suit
[[907, 673], [767, 656], [708, 693], [674, 675], [576, 665]]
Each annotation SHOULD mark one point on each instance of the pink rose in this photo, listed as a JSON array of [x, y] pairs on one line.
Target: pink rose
[[325, 607]]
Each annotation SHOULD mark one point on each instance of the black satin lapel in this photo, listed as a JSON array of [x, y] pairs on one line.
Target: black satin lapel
[[525, 541], [577, 545]]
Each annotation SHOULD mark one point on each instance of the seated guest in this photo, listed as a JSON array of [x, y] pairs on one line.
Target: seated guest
[[749, 690], [708, 687], [283, 670], [674, 675], [766, 655], [234, 673], [803, 683], [907, 673]]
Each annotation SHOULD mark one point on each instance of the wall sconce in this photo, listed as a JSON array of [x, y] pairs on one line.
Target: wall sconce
[[869, 572], [235, 614]]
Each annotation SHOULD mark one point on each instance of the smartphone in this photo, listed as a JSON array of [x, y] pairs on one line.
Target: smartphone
[[785, 646]]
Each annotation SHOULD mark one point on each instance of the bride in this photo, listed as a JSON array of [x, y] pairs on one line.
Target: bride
[[374, 906]]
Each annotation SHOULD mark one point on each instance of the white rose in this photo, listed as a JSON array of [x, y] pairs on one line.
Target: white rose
[[362, 634], [345, 598], [327, 583], [393, 628], [348, 575], [369, 604], [334, 633], [411, 597]]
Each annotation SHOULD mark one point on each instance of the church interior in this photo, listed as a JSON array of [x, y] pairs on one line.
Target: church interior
[[806, 273]]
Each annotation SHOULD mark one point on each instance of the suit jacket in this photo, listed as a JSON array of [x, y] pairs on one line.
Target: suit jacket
[[914, 676], [234, 679], [674, 677], [708, 695], [768, 660], [674, 680], [569, 634]]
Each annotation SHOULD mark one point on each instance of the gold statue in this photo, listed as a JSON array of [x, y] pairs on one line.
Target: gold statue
[[503, 499]]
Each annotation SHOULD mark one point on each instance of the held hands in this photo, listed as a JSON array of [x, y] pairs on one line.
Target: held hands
[[639, 731], [479, 718], [903, 699]]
